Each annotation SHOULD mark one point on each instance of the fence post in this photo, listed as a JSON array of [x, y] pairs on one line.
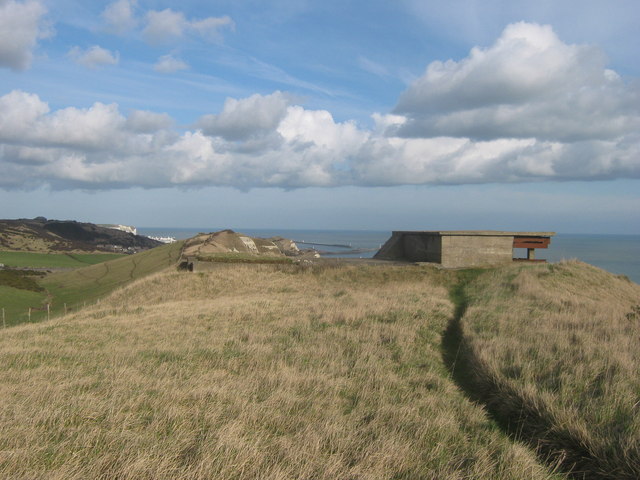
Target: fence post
[[65, 308], [48, 316], [4, 323], [29, 313]]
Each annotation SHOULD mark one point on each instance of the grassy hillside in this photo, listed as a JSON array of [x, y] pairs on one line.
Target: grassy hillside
[[86, 285], [79, 287], [248, 371], [54, 260], [47, 236], [553, 350], [283, 371]]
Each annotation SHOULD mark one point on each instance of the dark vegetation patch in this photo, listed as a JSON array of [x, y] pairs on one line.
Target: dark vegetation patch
[[76, 231], [21, 279]]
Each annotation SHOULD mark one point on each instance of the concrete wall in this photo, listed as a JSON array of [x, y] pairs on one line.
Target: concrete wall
[[422, 247], [450, 250], [392, 248], [471, 251]]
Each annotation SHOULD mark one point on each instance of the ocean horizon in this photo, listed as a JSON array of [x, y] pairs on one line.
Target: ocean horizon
[[618, 254]]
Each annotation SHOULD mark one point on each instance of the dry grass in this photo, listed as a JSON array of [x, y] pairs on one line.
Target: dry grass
[[563, 340], [249, 371]]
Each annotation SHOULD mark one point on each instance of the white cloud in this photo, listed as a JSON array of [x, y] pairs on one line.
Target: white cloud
[[21, 25], [164, 26], [142, 121], [120, 17], [94, 56], [491, 117], [265, 141], [168, 25], [169, 64], [19, 112], [248, 117], [210, 27], [317, 129], [528, 84]]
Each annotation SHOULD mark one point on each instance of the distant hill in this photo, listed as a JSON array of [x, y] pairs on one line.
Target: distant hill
[[42, 235], [227, 246], [228, 241]]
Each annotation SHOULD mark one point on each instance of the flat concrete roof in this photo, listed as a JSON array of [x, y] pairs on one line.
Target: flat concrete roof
[[478, 233]]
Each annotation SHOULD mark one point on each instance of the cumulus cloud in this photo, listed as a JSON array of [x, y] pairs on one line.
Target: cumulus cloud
[[248, 117], [528, 84], [168, 25], [99, 147], [21, 25], [142, 121], [94, 57], [578, 121], [164, 26], [119, 16], [169, 64]]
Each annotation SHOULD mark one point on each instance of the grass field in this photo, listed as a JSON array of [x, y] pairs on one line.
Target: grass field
[[54, 260], [554, 348], [322, 372], [247, 372], [16, 303]]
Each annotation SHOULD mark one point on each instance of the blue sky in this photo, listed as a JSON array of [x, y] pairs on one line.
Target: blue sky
[[298, 114]]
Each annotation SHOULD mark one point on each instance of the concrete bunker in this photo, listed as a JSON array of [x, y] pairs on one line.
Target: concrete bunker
[[462, 248]]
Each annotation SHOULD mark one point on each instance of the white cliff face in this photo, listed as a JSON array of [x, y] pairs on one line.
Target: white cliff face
[[122, 228], [127, 228], [250, 244]]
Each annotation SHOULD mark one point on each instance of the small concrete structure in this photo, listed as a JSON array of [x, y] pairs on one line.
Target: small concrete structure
[[462, 248]]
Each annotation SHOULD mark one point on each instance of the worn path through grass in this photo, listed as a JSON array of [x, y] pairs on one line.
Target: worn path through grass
[[548, 351], [520, 420]]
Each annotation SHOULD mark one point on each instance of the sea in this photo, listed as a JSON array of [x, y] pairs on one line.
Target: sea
[[619, 254]]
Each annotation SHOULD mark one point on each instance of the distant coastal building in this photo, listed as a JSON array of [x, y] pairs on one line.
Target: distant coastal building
[[123, 228], [462, 248]]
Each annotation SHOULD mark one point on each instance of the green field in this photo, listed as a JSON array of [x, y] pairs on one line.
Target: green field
[[54, 260], [16, 303]]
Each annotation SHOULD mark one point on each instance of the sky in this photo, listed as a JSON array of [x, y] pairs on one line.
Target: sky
[[366, 115]]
